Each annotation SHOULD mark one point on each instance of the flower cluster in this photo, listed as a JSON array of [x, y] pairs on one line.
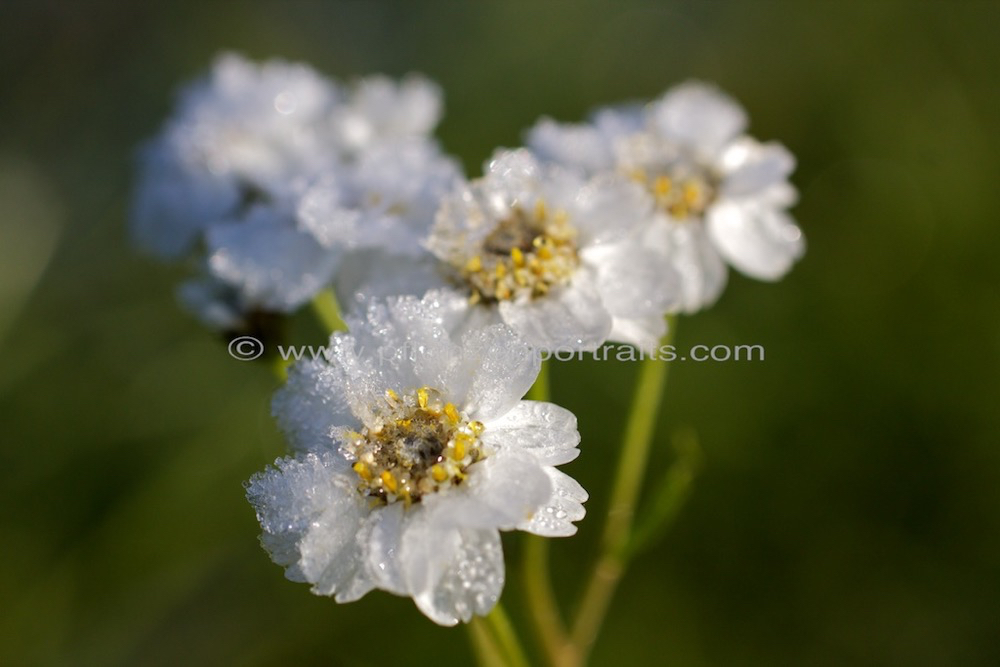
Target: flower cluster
[[267, 174], [411, 444]]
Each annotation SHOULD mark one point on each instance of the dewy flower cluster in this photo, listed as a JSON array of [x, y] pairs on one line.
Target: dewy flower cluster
[[274, 183]]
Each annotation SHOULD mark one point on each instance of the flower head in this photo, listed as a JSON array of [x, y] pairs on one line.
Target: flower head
[[556, 256], [242, 135], [266, 173], [413, 451], [720, 196]]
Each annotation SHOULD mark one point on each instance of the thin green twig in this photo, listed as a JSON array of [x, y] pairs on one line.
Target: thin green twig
[[506, 637], [634, 454], [671, 494], [484, 644]]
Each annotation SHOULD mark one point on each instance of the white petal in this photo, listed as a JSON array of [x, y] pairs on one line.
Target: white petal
[[756, 240], [356, 371], [634, 282], [620, 120], [385, 548], [565, 505], [501, 492], [492, 370], [323, 213], [688, 250], [310, 514], [471, 582], [381, 110], [571, 317], [175, 202], [608, 208], [398, 188], [371, 274], [750, 167], [427, 550], [645, 333], [546, 431], [582, 146], [275, 265], [312, 406], [699, 117]]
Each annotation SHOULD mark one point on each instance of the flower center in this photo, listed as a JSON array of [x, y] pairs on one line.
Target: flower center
[[524, 256], [419, 445], [682, 192]]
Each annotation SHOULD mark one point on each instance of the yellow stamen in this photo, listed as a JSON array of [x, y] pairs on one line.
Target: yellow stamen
[[692, 193], [476, 427], [451, 413], [459, 447], [475, 264], [540, 211], [438, 472], [363, 471], [389, 481], [517, 256], [662, 185], [422, 397]]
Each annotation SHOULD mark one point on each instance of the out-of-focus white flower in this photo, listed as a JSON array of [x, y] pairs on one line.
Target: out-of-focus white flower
[[720, 195], [379, 110], [244, 134], [276, 266], [413, 451], [386, 200], [555, 256], [267, 173]]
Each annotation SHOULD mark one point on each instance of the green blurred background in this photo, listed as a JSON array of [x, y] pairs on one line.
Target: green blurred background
[[848, 508]]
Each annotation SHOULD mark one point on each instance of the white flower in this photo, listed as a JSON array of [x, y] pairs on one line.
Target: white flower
[[267, 173], [275, 265], [720, 195], [386, 200], [555, 256], [378, 109], [413, 451], [242, 135]]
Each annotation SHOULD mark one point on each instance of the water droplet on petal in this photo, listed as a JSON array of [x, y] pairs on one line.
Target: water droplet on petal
[[285, 103]]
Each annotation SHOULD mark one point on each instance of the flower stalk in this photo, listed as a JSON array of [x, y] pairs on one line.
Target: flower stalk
[[618, 528]]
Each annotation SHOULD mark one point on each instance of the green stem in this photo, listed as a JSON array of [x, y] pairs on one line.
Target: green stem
[[483, 644], [327, 311], [548, 622], [635, 446], [506, 637]]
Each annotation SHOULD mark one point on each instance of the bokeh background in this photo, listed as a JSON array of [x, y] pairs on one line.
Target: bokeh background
[[847, 511]]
